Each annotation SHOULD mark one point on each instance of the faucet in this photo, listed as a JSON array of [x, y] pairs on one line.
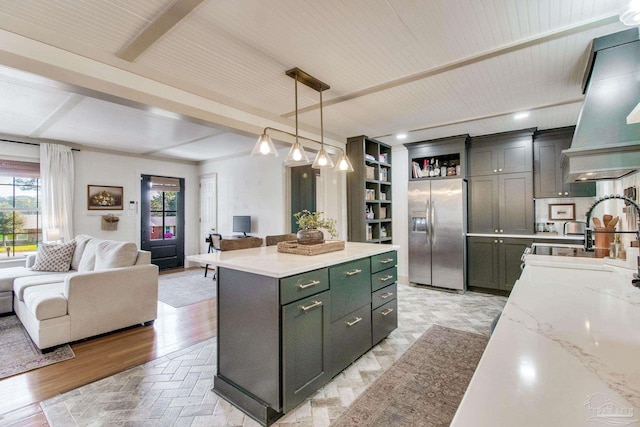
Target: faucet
[[588, 232]]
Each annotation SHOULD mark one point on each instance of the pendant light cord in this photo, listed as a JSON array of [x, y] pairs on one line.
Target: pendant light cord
[[321, 124], [296, 90]]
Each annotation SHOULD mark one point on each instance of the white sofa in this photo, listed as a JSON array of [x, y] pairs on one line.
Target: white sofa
[[110, 285]]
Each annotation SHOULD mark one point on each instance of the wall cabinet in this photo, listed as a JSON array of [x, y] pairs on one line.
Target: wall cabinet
[[547, 166], [501, 153], [501, 204], [369, 191], [494, 263], [501, 184]]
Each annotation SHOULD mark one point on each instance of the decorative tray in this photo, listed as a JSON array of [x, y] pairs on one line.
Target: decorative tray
[[292, 247]]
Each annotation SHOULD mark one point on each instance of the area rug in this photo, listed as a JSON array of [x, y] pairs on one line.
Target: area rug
[[186, 287], [19, 354], [424, 387]]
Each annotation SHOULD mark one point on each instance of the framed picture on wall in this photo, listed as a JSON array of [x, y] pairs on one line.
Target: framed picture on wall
[[104, 197], [562, 211]]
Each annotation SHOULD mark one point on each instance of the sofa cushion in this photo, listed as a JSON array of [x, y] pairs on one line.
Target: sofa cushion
[[54, 257], [88, 259], [46, 301], [110, 254], [23, 283], [81, 244], [9, 275]]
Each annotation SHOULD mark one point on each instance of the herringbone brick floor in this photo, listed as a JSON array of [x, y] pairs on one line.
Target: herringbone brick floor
[[175, 390]]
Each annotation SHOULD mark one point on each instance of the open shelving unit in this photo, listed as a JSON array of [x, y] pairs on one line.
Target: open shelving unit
[[369, 192]]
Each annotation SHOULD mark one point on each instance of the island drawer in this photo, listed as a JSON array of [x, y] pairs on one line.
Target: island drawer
[[383, 261], [383, 278], [303, 285], [350, 287], [384, 320], [383, 296], [350, 338]]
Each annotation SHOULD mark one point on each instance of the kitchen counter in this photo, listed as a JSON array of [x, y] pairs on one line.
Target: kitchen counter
[[267, 261], [550, 236], [564, 352]]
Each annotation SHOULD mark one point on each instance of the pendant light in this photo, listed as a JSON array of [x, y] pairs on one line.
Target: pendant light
[[322, 160], [264, 147], [297, 155], [343, 164]]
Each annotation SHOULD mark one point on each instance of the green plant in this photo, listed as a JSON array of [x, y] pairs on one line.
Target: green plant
[[306, 220]]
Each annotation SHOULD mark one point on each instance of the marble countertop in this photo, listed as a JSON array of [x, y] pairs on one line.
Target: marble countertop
[[267, 261], [565, 351]]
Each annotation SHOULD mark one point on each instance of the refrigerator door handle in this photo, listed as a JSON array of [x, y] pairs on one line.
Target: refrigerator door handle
[[432, 217], [428, 220]]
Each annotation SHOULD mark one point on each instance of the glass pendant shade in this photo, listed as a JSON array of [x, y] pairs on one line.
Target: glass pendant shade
[[322, 160], [297, 155], [343, 164], [264, 147]]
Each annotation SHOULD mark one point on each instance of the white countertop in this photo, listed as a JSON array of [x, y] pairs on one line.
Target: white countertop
[[566, 346], [550, 236], [267, 261]]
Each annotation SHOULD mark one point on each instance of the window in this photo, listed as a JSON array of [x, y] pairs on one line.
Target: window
[[163, 215], [20, 227]]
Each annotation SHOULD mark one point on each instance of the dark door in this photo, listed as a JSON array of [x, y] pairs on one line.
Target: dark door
[[162, 220], [303, 191]]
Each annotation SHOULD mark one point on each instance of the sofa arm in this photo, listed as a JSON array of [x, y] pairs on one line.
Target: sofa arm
[[30, 260], [107, 300]]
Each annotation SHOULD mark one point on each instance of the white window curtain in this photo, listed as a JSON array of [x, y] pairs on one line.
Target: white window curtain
[[57, 178]]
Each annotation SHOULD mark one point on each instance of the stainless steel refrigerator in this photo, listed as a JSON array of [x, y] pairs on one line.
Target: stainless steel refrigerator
[[437, 233]]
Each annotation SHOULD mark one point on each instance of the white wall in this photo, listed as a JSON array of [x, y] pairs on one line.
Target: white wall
[[400, 210], [257, 186], [109, 169]]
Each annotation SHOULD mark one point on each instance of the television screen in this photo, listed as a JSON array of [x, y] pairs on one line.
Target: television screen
[[242, 224]]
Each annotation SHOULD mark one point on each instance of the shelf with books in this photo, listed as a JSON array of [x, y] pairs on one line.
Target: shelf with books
[[369, 191]]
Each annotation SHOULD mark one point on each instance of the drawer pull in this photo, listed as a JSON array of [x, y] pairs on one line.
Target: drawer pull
[[385, 278], [387, 295], [386, 260], [310, 284], [357, 320], [309, 307], [387, 311], [353, 272]]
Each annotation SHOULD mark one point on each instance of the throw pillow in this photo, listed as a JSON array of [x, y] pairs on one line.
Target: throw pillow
[[88, 258], [111, 254], [81, 243], [54, 257]]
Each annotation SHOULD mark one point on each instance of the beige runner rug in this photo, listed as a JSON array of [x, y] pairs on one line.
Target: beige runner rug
[[424, 387]]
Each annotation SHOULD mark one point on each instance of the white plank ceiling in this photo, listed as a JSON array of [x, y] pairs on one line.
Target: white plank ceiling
[[430, 68]]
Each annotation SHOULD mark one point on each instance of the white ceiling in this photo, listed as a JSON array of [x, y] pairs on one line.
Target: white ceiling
[[433, 68]]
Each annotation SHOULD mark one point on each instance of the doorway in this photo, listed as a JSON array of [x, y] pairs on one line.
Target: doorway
[[208, 209], [162, 220], [303, 191]]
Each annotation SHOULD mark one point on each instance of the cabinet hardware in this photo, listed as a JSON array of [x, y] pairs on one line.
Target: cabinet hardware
[[495, 241], [502, 231], [309, 307], [501, 241], [499, 170], [560, 193], [310, 284], [566, 193], [387, 295], [495, 231], [386, 260], [385, 278], [387, 311], [353, 272], [495, 171], [356, 320]]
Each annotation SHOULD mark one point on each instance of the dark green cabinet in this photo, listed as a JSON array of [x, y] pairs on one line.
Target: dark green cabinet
[[501, 183], [350, 338], [350, 287], [502, 153], [494, 262], [501, 204], [547, 166], [306, 348]]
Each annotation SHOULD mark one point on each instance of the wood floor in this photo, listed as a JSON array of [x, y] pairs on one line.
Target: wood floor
[[100, 357]]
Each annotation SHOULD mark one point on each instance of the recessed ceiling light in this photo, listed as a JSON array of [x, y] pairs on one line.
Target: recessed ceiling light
[[520, 116], [589, 173], [401, 136], [583, 179]]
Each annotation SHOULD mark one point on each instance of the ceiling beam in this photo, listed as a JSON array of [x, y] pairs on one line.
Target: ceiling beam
[[157, 28]]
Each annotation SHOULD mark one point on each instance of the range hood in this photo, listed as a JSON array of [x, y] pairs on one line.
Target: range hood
[[604, 146]]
